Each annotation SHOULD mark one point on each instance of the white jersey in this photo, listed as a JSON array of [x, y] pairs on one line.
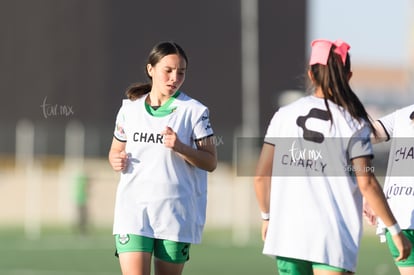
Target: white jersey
[[315, 204], [399, 182], [160, 195]]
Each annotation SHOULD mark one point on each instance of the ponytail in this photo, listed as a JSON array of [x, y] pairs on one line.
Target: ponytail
[[137, 90], [334, 81]]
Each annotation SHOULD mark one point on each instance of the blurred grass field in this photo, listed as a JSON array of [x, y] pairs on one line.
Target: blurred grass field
[[61, 252]]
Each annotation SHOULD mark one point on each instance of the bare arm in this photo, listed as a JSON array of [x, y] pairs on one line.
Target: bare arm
[[381, 133], [203, 157], [262, 181], [381, 136], [263, 177], [372, 192]]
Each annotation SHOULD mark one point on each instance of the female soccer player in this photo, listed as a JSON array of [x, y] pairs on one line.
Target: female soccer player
[[163, 145], [399, 181], [314, 167]]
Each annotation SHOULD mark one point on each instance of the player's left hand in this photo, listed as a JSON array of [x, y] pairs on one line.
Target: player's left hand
[[403, 245], [170, 139]]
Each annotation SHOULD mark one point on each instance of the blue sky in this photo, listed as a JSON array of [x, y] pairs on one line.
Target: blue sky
[[377, 30]]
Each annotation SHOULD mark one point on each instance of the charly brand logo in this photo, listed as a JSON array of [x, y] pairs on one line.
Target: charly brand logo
[[55, 110]]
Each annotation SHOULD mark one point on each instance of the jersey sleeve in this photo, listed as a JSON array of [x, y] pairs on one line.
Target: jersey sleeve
[[387, 123], [360, 144], [202, 128], [119, 132]]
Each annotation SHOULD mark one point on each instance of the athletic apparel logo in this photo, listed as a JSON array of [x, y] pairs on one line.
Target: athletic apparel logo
[[185, 250], [309, 134], [123, 238], [206, 121]]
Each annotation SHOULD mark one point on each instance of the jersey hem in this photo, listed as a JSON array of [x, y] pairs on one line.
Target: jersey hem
[[159, 237], [363, 156]]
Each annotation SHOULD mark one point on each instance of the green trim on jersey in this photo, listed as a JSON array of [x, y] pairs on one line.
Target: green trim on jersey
[[164, 109]]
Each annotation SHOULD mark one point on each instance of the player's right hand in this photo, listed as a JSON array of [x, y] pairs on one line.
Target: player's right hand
[[118, 160]]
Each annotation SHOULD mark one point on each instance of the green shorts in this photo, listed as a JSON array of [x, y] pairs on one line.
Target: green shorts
[[394, 251], [293, 266], [169, 251]]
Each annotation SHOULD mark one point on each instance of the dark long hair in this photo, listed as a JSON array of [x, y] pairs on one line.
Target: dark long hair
[[159, 51], [333, 78]]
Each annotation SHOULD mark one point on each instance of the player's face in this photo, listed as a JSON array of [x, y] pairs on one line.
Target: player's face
[[168, 74]]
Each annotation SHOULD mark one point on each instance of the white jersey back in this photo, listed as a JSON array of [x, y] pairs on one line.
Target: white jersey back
[[316, 205], [160, 195], [399, 182]]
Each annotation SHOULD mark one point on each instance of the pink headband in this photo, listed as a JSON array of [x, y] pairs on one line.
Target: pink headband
[[321, 49]]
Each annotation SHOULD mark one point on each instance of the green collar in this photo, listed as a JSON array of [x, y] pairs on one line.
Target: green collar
[[164, 109]]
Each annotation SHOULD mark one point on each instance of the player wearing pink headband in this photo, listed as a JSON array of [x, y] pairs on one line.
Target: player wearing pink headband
[[322, 48], [310, 190]]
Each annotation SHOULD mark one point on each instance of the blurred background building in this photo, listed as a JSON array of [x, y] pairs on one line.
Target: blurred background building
[[65, 64], [72, 60]]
